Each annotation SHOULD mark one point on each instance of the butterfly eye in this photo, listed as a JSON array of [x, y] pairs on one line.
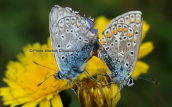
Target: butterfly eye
[[58, 76], [130, 82]]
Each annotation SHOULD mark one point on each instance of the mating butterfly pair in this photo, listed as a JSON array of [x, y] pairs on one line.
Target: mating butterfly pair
[[74, 37]]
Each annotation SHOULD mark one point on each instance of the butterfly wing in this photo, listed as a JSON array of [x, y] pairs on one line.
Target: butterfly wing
[[120, 44], [73, 37]]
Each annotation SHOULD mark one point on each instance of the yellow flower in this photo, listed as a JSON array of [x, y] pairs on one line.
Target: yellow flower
[[92, 93], [23, 77]]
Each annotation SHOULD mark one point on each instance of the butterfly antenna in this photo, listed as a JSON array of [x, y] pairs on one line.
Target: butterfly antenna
[[46, 79], [43, 66], [148, 79]]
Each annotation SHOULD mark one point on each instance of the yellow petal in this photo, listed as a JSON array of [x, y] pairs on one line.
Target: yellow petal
[[4, 91], [45, 103], [49, 97], [56, 101], [25, 99], [92, 65], [143, 67], [145, 29], [12, 84], [30, 104], [145, 49], [98, 97], [114, 91], [101, 22], [136, 72], [106, 94], [12, 102]]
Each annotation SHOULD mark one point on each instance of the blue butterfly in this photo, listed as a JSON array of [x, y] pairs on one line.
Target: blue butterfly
[[74, 38], [120, 46]]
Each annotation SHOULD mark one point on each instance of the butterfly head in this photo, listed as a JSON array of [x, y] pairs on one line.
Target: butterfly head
[[122, 78], [130, 81], [58, 75]]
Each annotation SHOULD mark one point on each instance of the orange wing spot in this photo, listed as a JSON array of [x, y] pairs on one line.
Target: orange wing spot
[[108, 35], [102, 42], [134, 39], [114, 32], [125, 29], [130, 34], [119, 29]]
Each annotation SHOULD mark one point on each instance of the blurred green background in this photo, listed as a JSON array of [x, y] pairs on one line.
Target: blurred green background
[[27, 21]]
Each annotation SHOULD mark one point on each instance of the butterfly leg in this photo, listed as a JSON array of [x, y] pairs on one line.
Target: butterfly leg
[[108, 83], [90, 76], [121, 87], [70, 81]]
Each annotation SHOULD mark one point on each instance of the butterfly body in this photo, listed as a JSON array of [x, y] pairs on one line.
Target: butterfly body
[[73, 37], [120, 46]]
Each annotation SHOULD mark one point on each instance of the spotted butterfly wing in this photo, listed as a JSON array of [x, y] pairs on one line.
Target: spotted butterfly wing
[[120, 46], [73, 37]]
